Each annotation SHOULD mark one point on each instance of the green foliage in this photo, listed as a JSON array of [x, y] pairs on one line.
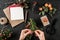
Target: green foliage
[[46, 10], [33, 27], [5, 33]]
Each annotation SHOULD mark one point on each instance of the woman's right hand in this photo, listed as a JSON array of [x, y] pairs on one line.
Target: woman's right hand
[[40, 34]]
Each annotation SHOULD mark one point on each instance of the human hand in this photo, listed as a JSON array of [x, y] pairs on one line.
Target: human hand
[[24, 33], [40, 34]]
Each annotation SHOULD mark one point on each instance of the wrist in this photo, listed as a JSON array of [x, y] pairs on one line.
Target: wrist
[[43, 38], [21, 38]]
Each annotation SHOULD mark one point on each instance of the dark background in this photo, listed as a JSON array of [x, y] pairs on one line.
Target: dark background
[[16, 30]]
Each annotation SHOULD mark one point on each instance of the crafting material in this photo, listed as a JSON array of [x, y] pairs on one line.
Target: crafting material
[[3, 20], [26, 14], [16, 13], [45, 20], [12, 22]]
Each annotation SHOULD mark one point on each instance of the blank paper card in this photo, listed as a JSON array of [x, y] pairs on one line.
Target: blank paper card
[[16, 13]]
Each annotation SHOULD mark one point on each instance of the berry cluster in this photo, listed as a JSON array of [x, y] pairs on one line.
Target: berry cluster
[[47, 8]]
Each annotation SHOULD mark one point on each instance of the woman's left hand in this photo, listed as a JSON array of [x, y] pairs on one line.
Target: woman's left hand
[[24, 33]]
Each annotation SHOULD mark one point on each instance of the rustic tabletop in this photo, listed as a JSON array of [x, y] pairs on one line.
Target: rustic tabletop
[[16, 30]]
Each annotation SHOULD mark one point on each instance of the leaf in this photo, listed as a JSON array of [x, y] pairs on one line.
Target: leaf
[[43, 12], [54, 11], [40, 13], [43, 7], [46, 9]]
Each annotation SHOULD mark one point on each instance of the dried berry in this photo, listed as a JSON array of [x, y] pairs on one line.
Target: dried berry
[[40, 9], [51, 9], [46, 5], [49, 5]]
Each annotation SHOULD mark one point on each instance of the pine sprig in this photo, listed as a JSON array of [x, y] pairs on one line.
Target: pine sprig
[[33, 27]]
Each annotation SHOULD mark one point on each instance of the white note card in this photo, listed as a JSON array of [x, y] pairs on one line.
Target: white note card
[[16, 13]]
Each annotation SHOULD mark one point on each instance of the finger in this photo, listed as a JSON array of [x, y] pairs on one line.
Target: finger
[[26, 30], [29, 32], [37, 34], [39, 31]]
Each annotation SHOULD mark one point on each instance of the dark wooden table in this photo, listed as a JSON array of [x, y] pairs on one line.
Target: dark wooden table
[[16, 30]]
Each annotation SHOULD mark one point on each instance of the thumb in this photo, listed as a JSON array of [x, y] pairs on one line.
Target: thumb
[[37, 34], [28, 33]]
